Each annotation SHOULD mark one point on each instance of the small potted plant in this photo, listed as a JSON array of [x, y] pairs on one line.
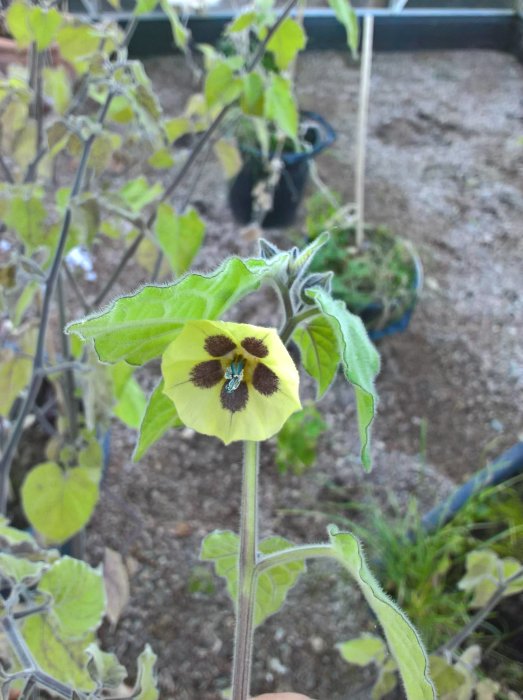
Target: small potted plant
[[376, 273], [271, 141]]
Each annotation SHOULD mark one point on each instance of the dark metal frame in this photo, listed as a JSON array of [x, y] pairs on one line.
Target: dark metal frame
[[409, 30]]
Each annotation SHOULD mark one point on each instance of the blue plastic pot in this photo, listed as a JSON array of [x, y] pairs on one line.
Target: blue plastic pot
[[289, 190]]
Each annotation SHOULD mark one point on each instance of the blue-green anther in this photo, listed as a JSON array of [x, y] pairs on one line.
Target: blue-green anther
[[234, 373]]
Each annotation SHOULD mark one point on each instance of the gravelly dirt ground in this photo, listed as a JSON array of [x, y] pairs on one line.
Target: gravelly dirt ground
[[445, 169]]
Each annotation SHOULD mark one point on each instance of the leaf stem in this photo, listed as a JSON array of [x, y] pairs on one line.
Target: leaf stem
[[243, 638], [294, 322], [38, 361], [287, 556]]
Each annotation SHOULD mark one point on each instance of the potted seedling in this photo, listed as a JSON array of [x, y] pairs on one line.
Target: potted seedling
[[271, 141], [376, 273]]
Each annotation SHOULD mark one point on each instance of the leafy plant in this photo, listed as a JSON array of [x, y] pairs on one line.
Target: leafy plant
[[51, 607], [245, 387]]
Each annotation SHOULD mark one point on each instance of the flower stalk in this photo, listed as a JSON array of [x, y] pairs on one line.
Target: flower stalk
[[243, 638]]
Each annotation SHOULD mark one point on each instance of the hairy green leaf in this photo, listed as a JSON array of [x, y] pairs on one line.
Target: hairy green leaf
[[180, 236], [15, 372], [252, 97], [146, 681], [319, 351], [20, 570], [179, 31], [138, 328], [58, 503], [402, 639], [130, 399], [241, 22], [78, 595], [286, 41], [222, 548], [104, 668], [64, 659], [44, 24], [160, 415], [359, 358]]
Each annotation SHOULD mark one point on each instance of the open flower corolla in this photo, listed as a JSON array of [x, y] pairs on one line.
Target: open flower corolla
[[231, 380]]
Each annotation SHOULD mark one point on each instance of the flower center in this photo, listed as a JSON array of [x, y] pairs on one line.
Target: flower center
[[234, 374]]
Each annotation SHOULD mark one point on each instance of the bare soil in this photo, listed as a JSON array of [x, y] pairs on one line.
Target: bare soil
[[445, 169]]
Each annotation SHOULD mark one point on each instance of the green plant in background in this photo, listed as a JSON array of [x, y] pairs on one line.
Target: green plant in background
[[238, 382], [440, 578], [51, 607], [298, 441]]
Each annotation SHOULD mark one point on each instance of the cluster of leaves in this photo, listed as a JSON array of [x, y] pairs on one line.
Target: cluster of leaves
[[377, 280], [50, 609], [439, 578], [77, 105]]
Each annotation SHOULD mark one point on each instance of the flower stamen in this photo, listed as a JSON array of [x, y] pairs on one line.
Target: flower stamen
[[234, 374]]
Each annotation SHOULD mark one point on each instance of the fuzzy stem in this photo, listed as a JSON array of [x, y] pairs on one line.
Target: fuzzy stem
[[294, 322], [243, 638], [287, 556], [363, 115]]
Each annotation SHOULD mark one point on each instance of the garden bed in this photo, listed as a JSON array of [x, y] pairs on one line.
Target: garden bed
[[444, 170]]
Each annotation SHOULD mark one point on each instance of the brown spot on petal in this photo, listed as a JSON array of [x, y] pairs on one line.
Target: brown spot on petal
[[218, 345], [207, 374], [265, 380], [255, 346], [235, 400]]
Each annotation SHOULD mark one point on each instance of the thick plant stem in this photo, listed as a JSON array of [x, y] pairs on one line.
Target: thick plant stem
[[363, 115], [243, 638]]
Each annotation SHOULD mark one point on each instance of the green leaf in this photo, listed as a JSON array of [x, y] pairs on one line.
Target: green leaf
[[222, 548], [179, 31], [27, 216], [386, 682], [57, 88], [145, 6], [229, 157], [17, 20], [221, 85], [78, 45], [15, 372], [179, 126], [319, 351], [131, 401], [62, 659], [160, 415], [146, 681], [12, 536], [280, 105], [286, 41], [252, 97], [346, 15], [138, 328], [364, 650], [161, 159], [297, 441], [180, 236], [449, 679], [20, 570], [138, 193], [58, 504], [244, 20], [78, 595], [359, 358], [402, 639], [44, 25], [104, 668]]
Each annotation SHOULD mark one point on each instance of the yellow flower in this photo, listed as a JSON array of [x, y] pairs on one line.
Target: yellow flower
[[231, 380]]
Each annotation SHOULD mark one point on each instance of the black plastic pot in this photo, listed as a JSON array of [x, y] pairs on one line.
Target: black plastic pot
[[289, 190]]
